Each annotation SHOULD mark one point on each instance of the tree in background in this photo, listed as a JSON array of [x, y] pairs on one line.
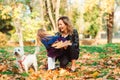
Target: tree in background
[[107, 8], [91, 17], [73, 11], [52, 9], [34, 14], [5, 19], [117, 16], [17, 20], [24, 21], [96, 10]]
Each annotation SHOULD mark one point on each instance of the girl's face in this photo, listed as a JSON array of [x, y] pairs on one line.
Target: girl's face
[[62, 27]]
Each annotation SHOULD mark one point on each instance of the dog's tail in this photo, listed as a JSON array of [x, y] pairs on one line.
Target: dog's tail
[[37, 49]]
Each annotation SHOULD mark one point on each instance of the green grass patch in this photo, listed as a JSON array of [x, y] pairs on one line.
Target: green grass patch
[[106, 48], [8, 72], [92, 49], [24, 74]]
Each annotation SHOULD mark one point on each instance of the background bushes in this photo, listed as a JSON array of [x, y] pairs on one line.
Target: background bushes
[[3, 39]]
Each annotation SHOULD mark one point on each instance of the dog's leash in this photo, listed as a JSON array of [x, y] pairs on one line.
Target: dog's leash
[[20, 62]]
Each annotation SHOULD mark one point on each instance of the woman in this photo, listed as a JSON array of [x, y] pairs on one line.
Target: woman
[[71, 52]]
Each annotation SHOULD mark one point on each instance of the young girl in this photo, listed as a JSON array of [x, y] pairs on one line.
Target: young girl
[[48, 40]]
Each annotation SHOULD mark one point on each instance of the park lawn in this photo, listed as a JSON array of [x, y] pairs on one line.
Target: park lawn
[[95, 62]]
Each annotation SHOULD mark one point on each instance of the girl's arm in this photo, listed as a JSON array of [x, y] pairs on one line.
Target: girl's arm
[[37, 41], [53, 40]]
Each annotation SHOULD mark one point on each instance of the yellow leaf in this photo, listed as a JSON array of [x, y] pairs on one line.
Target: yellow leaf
[[95, 74], [31, 70], [63, 72]]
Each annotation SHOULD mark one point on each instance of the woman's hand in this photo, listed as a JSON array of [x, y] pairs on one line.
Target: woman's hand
[[68, 43], [61, 44], [56, 43]]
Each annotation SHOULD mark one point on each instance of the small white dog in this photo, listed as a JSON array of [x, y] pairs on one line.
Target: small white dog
[[25, 61]]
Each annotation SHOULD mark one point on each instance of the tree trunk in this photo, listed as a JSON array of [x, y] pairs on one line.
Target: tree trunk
[[50, 15], [110, 27], [19, 33], [20, 36], [57, 11], [17, 24], [42, 13]]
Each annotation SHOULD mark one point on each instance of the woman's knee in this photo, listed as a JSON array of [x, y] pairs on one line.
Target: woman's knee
[[64, 62]]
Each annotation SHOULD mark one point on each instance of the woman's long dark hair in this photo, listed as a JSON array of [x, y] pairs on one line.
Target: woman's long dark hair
[[67, 22]]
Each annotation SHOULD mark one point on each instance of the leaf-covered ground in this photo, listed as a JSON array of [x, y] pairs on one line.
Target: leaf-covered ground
[[100, 62]]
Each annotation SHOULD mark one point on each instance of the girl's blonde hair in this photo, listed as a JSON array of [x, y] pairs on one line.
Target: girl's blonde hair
[[41, 33]]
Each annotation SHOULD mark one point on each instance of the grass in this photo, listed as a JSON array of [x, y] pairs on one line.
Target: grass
[[105, 56], [114, 48]]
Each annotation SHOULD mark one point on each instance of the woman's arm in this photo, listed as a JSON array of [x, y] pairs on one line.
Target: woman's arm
[[75, 39]]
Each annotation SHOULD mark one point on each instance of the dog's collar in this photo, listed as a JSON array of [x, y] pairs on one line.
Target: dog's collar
[[20, 62]]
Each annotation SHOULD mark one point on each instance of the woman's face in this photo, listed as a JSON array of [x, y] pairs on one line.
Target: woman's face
[[62, 27]]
